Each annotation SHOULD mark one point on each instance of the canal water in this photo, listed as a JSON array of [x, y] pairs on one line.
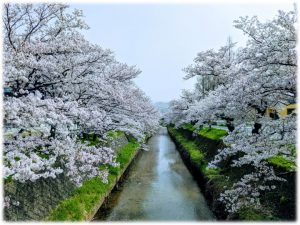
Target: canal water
[[158, 187]]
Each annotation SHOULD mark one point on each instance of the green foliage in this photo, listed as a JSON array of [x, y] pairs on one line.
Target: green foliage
[[254, 214], [223, 178], [195, 153], [283, 200], [82, 201], [26, 133], [212, 172], [212, 133], [114, 133], [216, 176], [130, 138], [89, 138], [126, 153], [282, 162], [219, 180], [71, 211], [8, 180], [292, 149], [189, 127], [86, 197], [43, 155], [17, 158]]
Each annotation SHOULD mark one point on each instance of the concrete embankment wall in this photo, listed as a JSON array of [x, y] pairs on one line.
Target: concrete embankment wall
[[210, 148], [277, 205], [37, 199]]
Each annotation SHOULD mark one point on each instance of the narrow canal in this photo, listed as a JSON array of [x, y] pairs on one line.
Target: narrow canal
[[158, 187]]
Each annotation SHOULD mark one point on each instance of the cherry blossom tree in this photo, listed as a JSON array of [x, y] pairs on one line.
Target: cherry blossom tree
[[61, 86], [247, 82], [212, 67]]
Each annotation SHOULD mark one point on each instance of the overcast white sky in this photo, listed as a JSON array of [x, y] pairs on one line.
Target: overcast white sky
[[162, 39]]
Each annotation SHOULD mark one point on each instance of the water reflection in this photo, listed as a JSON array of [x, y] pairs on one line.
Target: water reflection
[[158, 187]]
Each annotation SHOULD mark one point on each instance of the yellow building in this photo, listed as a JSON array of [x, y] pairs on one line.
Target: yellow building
[[283, 112]]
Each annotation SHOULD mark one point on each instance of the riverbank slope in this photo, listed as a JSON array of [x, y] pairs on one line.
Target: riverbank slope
[[199, 148], [84, 203]]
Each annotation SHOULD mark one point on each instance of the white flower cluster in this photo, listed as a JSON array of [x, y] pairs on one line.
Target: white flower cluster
[[240, 86], [274, 139], [60, 86], [8, 202]]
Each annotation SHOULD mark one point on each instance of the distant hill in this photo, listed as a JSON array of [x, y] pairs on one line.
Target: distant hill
[[162, 107]]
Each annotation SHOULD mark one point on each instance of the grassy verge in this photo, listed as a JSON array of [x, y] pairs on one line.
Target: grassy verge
[[113, 134], [212, 133], [189, 127], [197, 156], [282, 163], [275, 204], [88, 198]]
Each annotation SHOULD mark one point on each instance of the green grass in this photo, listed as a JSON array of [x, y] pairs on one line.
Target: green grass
[[126, 153], [221, 179], [254, 214], [195, 153], [282, 162], [211, 173], [85, 198], [212, 133], [114, 133], [189, 127], [197, 156]]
